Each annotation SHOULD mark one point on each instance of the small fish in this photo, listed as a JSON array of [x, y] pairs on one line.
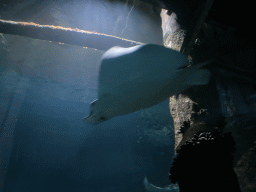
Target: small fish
[[139, 77]]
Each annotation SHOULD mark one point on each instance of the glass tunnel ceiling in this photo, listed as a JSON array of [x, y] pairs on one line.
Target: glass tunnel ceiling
[[65, 35], [46, 91], [124, 20], [102, 22]]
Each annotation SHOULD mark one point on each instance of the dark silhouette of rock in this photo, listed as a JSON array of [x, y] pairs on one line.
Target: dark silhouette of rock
[[205, 163]]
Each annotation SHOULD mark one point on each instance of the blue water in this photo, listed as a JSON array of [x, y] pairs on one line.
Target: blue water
[[54, 150], [45, 92]]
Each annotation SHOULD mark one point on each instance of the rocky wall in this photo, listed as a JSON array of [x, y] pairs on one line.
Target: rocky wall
[[230, 96]]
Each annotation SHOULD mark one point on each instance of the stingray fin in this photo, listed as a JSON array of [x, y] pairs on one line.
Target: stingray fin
[[152, 188], [199, 77], [95, 119], [90, 119]]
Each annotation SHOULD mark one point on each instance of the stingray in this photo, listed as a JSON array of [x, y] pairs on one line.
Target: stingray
[[131, 79]]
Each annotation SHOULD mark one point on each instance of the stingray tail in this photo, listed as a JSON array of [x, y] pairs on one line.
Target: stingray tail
[[200, 65]]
